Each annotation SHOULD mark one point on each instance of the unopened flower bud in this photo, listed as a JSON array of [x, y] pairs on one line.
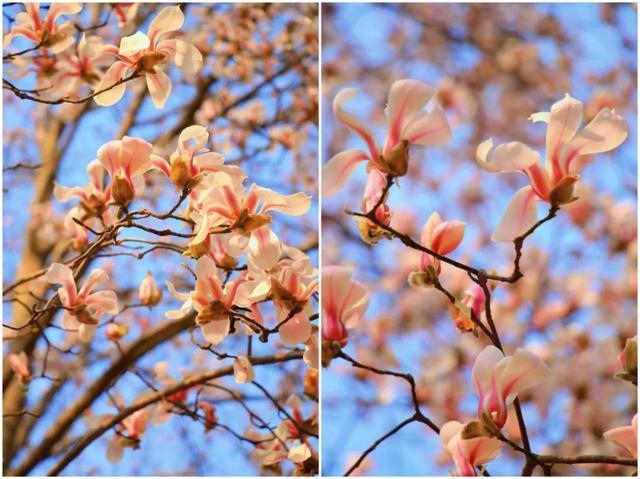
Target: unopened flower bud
[[149, 292], [421, 279], [243, 370], [629, 360], [20, 365], [116, 332]]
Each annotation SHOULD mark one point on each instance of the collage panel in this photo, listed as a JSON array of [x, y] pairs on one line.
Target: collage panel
[[479, 239], [160, 247]]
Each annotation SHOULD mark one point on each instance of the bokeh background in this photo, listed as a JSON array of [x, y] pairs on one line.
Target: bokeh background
[[257, 95], [494, 66]]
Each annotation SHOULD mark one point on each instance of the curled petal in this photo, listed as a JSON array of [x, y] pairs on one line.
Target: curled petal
[[524, 370], [428, 128], [103, 302], [59, 273], [185, 55], [135, 155], [337, 170], [564, 120], [512, 156], [605, 132], [296, 204], [192, 139], [626, 437], [406, 99], [169, 19], [159, 85], [483, 368], [161, 164], [351, 121], [114, 74], [519, 217], [133, 44]]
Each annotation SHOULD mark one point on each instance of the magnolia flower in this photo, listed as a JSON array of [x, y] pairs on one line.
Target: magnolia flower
[[213, 301], [441, 237], [370, 232], [149, 293], [299, 453], [344, 302], [565, 143], [246, 216], [626, 437], [116, 332], [20, 365], [45, 32], [93, 196], [146, 55], [243, 370], [83, 308], [473, 302], [191, 158], [126, 161], [130, 431], [498, 379], [468, 448], [407, 124]]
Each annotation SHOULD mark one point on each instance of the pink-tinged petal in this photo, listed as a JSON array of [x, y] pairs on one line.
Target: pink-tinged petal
[[482, 372], [159, 85], [295, 331], [564, 120], [243, 370], [109, 157], [103, 302], [524, 370], [95, 279], [135, 155], [115, 451], [114, 74], [626, 437], [342, 297], [177, 294], [185, 55], [210, 162], [337, 170], [428, 128], [193, 139], [65, 31], [519, 216], [59, 273], [95, 172], [540, 181], [64, 193], [264, 248], [605, 132], [86, 332], [299, 454], [480, 450], [429, 228], [448, 431], [133, 44], [296, 204], [406, 99], [352, 122], [18, 31], [207, 272], [512, 156], [56, 10], [20, 364], [168, 20], [447, 236], [215, 331], [159, 163]]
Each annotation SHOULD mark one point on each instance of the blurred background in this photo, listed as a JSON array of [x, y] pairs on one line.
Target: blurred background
[[257, 95], [494, 65]]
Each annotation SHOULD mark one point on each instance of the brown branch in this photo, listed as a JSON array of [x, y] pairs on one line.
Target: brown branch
[[155, 397]]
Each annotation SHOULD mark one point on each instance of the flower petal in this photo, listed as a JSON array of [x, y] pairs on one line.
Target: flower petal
[[351, 122], [406, 99], [133, 44], [159, 85], [264, 248], [215, 331], [524, 370], [114, 74], [428, 128], [447, 236], [564, 120], [337, 170], [185, 55], [169, 19], [295, 331], [512, 156], [519, 216]]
